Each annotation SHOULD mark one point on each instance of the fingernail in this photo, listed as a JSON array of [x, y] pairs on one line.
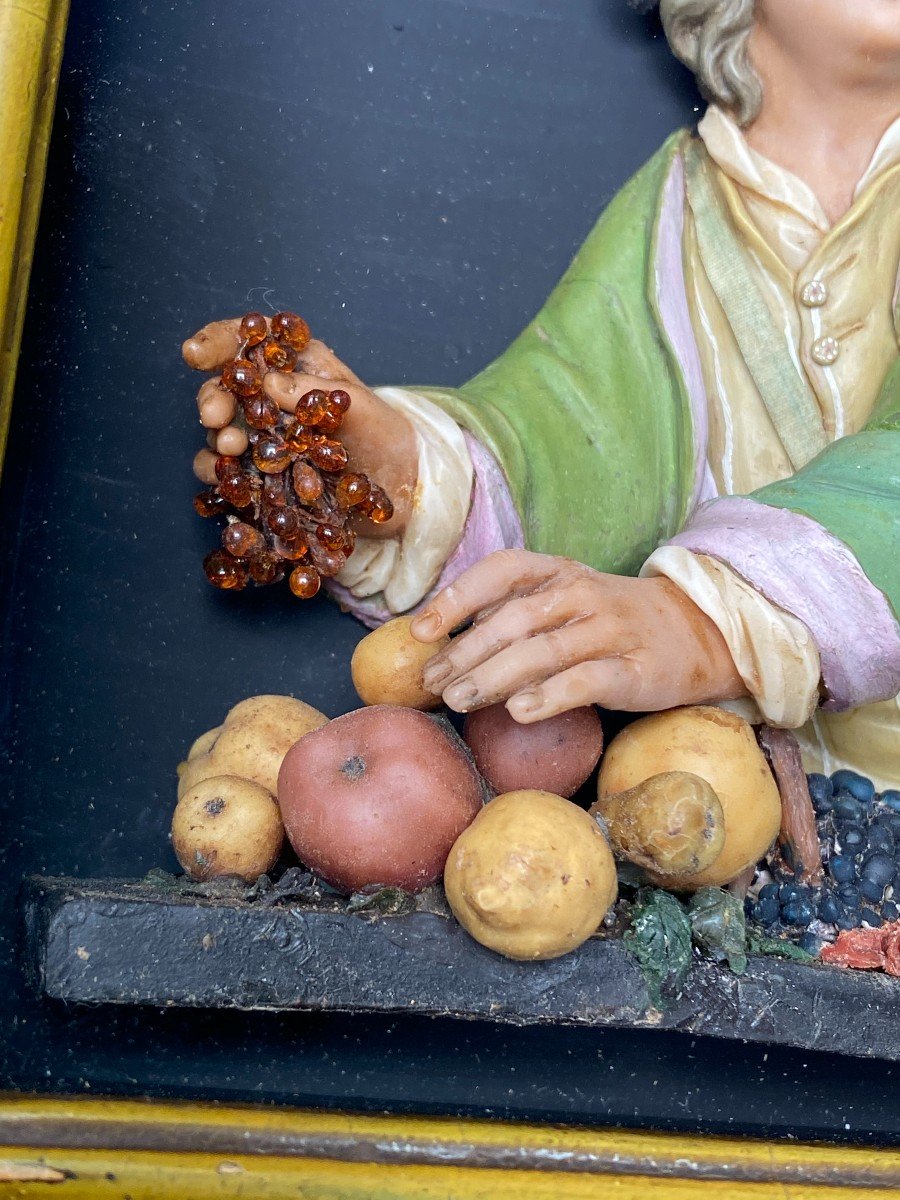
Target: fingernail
[[425, 626], [461, 696], [525, 702]]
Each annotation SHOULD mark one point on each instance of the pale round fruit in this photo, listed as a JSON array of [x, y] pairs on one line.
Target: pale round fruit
[[532, 877], [227, 826], [387, 666], [556, 755], [204, 742], [378, 797], [721, 748], [251, 742]]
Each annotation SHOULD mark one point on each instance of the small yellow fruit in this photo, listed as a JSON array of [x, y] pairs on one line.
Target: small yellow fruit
[[251, 742], [387, 666], [532, 877], [227, 826], [721, 748]]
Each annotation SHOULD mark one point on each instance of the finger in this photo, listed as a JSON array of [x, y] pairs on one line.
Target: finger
[[610, 682], [231, 440], [512, 621], [317, 359], [205, 466], [213, 345], [217, 406], [493, 579], [286, 388], [525, 663]]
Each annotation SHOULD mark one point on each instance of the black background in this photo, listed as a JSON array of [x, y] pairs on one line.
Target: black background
[[412, 175]]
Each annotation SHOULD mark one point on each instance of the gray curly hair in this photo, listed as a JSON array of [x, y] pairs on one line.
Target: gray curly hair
[[712, 38]]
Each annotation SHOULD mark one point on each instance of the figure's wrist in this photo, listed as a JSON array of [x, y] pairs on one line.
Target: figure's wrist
[[706, 665], [382, 444]]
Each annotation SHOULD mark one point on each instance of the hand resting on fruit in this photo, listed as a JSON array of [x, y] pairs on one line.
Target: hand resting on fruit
[[549, 634]]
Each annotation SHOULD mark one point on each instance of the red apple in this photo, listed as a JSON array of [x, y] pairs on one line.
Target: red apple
[[378, 796], [556, 755]]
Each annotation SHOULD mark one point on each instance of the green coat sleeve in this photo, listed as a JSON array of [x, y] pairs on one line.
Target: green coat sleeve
[[852, 489], [586, 411]]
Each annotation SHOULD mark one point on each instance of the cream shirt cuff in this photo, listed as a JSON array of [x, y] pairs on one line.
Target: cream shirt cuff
[[774, 652], [405, 569]]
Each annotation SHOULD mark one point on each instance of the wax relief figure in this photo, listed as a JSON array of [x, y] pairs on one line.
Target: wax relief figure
[[689, 461]]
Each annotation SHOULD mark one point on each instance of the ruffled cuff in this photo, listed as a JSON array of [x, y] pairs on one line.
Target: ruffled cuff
[[773, 652], [403, 570], [803, 569]]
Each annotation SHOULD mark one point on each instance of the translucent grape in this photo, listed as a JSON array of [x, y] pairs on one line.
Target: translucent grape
[[226, 572], [288, 327], [254, 329], [241, 378], [305, 582], [242, 540]]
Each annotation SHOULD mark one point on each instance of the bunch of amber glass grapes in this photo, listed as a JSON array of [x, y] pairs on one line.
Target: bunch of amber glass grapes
[[288, 498]]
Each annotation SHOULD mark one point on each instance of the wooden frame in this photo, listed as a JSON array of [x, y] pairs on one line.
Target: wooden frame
[[31, 39], [95, 1148], [156, 1151]]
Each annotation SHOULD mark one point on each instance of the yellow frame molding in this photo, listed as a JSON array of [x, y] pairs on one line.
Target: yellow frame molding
[[92, 1148], [31, 41]]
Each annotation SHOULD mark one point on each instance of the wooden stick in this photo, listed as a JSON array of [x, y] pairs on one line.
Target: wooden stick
[[798, 841]]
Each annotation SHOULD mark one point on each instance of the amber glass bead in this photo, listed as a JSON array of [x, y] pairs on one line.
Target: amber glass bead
[[298, 438], [329, 455], [237, 489], [288, 327], [305, 582], [226, 572], [273, 489], [293, 549], [254, 329], [242, 540], [339, 400], [379, 508], [329, 536], [312, 406], [241, 378], [265, 569], [330, 423], [260, 412], [271, 456], [351, 490], [279, 356], [326, 562], [284, 522], [227, 466], [209, 504], [307, 483]]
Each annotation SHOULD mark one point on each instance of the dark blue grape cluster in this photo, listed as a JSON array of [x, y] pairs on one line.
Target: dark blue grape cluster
[[859, 837]]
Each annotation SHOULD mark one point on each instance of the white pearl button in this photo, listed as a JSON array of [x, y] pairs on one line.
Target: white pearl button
[[825, 351], [814, 294]]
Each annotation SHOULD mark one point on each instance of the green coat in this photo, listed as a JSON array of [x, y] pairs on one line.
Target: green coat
[[589, 413]]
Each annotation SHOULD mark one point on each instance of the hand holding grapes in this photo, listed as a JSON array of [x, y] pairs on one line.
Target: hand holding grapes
[[550, 634], [277, 461], [379, 440]]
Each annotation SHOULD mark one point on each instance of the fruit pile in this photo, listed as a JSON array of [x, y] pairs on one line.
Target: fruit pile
[[288, 497], [859, 836]]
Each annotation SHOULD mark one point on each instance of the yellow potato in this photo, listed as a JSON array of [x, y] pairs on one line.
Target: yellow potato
[[251, 742], [204, 742], [532, 877], [387, 666], [721, 748], [227, 826]]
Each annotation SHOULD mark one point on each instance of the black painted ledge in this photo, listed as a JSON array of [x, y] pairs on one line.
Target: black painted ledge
[[117, 942]]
